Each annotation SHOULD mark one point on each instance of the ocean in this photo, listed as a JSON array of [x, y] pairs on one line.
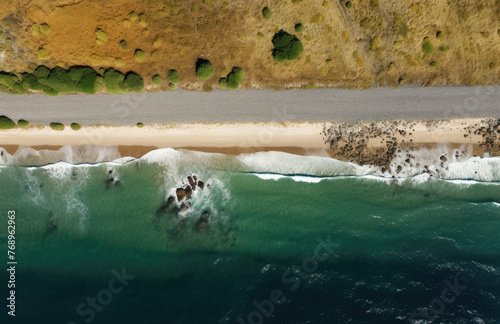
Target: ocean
[[271, 238]]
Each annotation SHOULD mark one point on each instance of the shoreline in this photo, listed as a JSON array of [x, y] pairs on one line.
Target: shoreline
[[375, 143]]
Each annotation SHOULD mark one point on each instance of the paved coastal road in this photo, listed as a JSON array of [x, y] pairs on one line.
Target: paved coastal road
[[180, 106]]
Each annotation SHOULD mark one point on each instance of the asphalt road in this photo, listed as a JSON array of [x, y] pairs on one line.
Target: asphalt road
[[335, 105]]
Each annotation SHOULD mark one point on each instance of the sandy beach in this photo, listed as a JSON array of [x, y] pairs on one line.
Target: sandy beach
[[364, 143]]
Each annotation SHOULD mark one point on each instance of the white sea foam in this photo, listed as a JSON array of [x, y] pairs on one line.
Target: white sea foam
[[177, 164]]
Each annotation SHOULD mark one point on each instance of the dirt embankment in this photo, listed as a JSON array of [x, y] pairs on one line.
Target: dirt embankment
[[350, 44]]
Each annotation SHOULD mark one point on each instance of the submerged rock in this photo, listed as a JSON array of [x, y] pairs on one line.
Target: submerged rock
[[202, 223], [52, 224]]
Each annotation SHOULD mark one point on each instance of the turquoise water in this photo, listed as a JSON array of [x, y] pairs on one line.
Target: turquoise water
[[329, 242]]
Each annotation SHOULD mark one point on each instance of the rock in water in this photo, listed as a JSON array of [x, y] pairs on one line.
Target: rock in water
[[202, 223], [166, 206], [189, 191], [192, 183], [181, 193], [201, 184]]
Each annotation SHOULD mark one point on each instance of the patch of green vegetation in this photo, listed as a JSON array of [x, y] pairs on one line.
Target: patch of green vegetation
[[157, 79], [43, 53], [11, 82], [139, 55], [173, 76], [492, 65], [427, 47], [348, 4], [6, 123], [195, 7], [140, 125], [1, 33], [101, 36], [123, 44], [286, 46], [171, 86], [133, 17], [113, 81], [116, 82], [57, 126], [143, 20], [233, 79], [133, 82], [443, 48], [266, 13], [76, 127], [204, 69], [299, 28], [45, 29], [309, 86], [88, 83], [439, 34], [433, 64], [23, 123], [41, 71], [59, 80], [374, 43], [260, 35]]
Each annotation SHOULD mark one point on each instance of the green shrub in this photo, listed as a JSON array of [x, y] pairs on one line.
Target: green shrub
[[434, 64], [116, 82], [140, 125], [23, 123], [443, 48], [133, 82], [439, 34], [260, 35], [51, 92], [113, 81], [204, 69], [492, 65], [286, 47], [101, 36], [77, 72], [12, 82], [143, 20], [6, 123], [233, 79], [133, 17], [427, 46], [43, 53], [45, 29], [348, 4], [123, 44], [57, 126], [299, 28], [99, 83], [59, 80], [76, 127], [173, 76], [87, 83], [171, 85], [157, 79], [266, 13], [139, 55], [41, 71]]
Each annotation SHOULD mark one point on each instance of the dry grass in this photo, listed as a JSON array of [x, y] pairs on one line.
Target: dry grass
[[343, 47]]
